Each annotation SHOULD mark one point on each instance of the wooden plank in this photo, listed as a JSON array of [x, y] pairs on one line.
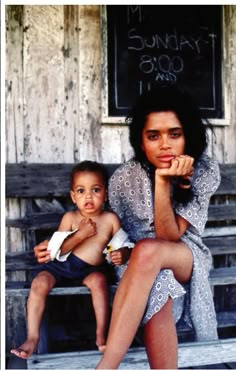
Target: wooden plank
[[45, 130], [21, 289], [87, 127], [14, 103], [228, 179], [215, 352], [223, 276], [221, 245], [226, 318], [219, 276], [54, 179], [45, 220], [219, 231], [189, 354], [36, 221], [222, 212], [26, 261]]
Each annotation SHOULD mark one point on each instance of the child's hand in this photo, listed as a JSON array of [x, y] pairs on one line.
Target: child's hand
[[120, 256], [41, 252], [87, 228]]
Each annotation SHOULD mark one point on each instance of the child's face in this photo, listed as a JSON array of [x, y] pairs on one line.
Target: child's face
[[88, 193], [162, 138]]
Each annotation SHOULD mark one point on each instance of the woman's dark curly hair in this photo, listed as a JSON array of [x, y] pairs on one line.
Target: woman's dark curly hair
[[181, 103], [168, 99]]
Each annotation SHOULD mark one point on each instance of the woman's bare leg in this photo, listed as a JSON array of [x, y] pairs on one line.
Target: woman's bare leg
[[41, 285], [160, 339], [147, 259], [97, 283]]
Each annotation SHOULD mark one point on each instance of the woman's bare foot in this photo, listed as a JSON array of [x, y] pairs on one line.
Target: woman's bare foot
[[101, 342], [102, 348], [26, 349]]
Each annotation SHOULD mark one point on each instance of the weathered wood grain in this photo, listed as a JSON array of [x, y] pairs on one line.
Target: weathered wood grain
[[54, 179], [26, 260], [45, 190], [190, 354], [219, 276]]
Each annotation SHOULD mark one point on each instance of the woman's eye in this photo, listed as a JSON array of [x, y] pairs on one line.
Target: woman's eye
[[176, 134], [153, 137]]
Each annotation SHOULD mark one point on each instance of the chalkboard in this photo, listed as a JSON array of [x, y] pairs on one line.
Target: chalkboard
[[149, 45]]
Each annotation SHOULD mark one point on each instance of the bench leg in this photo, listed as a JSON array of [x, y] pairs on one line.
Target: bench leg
[[15, 322], [43, 346]]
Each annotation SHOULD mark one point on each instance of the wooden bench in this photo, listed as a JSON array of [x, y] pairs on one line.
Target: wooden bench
[[42, 191]]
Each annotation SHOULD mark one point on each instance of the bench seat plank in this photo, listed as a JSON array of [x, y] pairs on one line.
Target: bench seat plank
[[219, 276], [189, 354]]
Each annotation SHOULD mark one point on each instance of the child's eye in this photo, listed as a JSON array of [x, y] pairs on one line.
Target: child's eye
[[80, 191], [96, 190]]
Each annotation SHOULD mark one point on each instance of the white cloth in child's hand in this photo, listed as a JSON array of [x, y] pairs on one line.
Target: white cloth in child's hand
[[55, 244], [119, 240]]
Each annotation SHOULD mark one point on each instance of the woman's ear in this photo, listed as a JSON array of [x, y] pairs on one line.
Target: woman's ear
[[72, 195]]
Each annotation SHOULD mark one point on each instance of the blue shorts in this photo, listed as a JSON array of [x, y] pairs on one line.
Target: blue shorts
[[72, 269]]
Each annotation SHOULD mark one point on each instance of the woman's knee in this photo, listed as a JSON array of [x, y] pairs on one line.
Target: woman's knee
[[146, 253]]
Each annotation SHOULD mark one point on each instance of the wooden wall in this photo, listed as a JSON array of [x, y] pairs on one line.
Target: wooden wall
[[54, 79], [53, 87]]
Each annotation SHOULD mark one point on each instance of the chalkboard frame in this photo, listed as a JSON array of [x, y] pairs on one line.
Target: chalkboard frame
[[120, 120]]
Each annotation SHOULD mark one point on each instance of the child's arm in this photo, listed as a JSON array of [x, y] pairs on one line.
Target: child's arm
[[66, 222], [86, 229], [121, 255]]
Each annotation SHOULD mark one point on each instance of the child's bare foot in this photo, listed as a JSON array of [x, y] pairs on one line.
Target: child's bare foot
[[26, 349]]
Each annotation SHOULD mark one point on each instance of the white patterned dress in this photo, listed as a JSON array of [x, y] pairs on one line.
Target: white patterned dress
[[131, 197]]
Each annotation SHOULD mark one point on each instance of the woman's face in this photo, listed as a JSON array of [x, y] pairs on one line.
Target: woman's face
[[162, 138]]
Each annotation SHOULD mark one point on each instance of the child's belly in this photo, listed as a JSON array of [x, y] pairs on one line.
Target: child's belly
[[90, 252]]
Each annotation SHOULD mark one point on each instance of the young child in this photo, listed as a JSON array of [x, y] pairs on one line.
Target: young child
[[81, 254]]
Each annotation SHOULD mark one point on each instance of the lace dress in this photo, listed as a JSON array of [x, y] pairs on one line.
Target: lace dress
[[131, 197]]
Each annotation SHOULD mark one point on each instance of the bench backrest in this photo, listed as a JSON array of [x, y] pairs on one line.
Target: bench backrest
[[41, 180]]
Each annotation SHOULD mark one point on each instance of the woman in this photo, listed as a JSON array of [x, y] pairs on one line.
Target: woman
[[162, 196]]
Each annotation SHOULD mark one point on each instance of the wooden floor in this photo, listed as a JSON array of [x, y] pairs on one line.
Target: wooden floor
[[194, 356]]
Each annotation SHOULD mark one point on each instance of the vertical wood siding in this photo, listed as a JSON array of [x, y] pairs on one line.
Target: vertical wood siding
[[53, 87], [54, 78]]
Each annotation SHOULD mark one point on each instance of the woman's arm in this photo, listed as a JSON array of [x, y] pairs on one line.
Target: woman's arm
[[168, 225]]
